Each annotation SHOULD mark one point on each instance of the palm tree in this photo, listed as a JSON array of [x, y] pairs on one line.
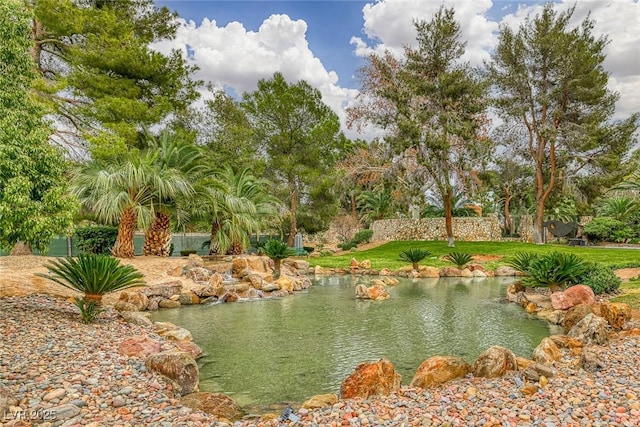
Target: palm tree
[[238, 205], [129, 190], [184, 161], [622, 208], [374, 205], [414, 256]]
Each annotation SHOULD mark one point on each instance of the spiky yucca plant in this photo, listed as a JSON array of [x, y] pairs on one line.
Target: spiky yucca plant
[[460, 259], [93, 275], [414, 256]]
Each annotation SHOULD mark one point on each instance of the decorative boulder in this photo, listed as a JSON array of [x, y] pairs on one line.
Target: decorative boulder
[[366, 264], [134, 301], [178, 366], [375, 292], [495, 362], [578, 294], [504, 270], [216, 404], [260, 264], [164, 290], [465, 272], [574, 315], [450, 272], [564, 341], [194, 261], [385, 272], [168, 303], [590, 361], [371, 379], [139, 346], [353, 263], [439, 369], [590, 330], [555, 317], [546, 352], [136, 318], [428, 272], [616, 313], [188, 298], [320, 401], [229, 297], [285, 283], [479, 273], [390, 281], [238, 265], [190, 347], [199, 274], [172, 332]]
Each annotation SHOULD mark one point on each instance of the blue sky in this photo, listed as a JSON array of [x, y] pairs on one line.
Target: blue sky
[[236, 43]]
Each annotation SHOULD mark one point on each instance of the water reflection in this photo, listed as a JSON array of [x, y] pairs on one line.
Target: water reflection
[[289, 349]]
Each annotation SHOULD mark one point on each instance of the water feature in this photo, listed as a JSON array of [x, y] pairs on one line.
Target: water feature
[[289, 349]]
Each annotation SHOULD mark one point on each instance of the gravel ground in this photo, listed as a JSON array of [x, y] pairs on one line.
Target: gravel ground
[[66, 373], [71, 374]]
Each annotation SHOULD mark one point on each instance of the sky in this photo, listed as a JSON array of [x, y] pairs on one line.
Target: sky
[[235, 43]]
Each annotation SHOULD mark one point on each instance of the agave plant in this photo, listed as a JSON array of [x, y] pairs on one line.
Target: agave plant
[[521, 261], [93, 275], [555, 270], [277, 250], [459, 258], [414, 256]]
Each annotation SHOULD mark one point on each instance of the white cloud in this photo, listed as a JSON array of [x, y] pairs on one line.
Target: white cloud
[[390, 24], [231, 56]]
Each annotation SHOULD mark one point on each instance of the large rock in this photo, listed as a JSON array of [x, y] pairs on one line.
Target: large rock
[[238, 287], [555, 317], [450, 272], [495, 362], [439, 369], [132, 301], [428, 272], [285, 283], [172, 332], [136, 318], [375, 292], [188, 298], [591, 330], [320, 401], [178, 366], [574, 315], [504, 270], [260, 264], [194, 261], [199, 274], [616, 313], [190, 347], [578, 294], [238, 265], [546, 352], [164, 290], [168, 303], [371, 379], [564, 341], [139, 346], [216, 404]]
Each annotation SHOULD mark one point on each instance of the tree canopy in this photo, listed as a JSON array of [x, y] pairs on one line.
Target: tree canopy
[[34, 203]]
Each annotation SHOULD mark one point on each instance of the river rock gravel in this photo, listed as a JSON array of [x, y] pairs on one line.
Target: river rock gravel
[[65, 373]]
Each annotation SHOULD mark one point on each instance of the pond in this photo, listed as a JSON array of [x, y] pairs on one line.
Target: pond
[[289, 349]]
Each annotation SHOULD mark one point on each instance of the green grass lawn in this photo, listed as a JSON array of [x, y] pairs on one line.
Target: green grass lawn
[[387, 255], [631, 294]]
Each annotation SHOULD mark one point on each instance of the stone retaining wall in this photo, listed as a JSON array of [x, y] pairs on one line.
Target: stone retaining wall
[[466, 229]]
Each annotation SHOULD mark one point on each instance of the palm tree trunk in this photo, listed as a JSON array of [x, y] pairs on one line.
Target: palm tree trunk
[[123, 248], [157, 239], [236, 248], [214, 248], [447, 217], [276, 267]]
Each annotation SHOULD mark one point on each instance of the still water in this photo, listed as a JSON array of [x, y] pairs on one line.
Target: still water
[[289, 349]]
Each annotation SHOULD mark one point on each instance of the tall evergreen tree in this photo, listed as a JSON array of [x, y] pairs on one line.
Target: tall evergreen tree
[[301, 140], [429, 102], [34, 204], [552, 91], [102, 78]]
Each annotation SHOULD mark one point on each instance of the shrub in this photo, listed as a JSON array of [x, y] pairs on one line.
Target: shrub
[[93, 275], [414, 256], [600, 278], [604, 228], [555, 269], [308, 249], [362, 236], [277, 250], [345, 246], [187, 252], [459, 258], [521, 261], [96, 239]]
